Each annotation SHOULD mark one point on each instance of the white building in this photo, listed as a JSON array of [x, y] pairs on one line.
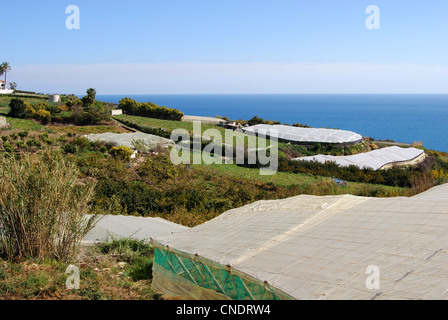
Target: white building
[[3, 123], [54, 98], [116, 112], [3, 89]]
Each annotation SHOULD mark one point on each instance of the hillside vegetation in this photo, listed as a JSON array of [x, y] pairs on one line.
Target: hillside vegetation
[[49, 167]]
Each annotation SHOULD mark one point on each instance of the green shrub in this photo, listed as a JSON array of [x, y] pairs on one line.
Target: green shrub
[[33, 143], [89, 98], [4, 274], [127, 247], [150, 110], [43, 115], [71, 101], [88, 115], [396, 176], [23, 134], [17, 108], [158, 169], [33, 284], [138, 254], [142, 269], [69, 148], [135, 196], [122, 153], [95, 113], [41, 111], [256, 120], [8, 147]]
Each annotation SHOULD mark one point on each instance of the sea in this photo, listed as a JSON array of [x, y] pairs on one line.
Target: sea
[[405, 118]]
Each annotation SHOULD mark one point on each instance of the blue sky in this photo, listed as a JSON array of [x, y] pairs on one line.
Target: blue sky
[[217, 46]]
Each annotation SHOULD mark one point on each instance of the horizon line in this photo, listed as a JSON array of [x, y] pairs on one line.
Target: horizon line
[[306, 93]]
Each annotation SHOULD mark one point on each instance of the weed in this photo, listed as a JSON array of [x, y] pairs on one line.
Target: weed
[[42, 206]]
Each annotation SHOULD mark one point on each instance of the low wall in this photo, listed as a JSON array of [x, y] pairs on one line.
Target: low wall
[[54, 98], [116, 112]]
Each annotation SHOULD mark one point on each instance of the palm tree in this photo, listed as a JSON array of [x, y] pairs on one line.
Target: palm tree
[[4, 68], [1, 73]]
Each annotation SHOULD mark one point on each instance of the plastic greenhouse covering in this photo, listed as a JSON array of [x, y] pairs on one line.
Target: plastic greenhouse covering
[[298, 134], [126, 139], [375, 159], [115, 227], [312, 247]]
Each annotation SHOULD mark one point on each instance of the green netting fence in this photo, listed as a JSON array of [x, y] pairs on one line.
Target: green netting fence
[[214, 276]]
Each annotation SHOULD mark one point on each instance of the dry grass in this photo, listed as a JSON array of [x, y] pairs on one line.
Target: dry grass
[[103, 276], [42, 206]]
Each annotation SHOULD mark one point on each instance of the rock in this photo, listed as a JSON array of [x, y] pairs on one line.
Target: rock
[[3, 123], [34, 266]]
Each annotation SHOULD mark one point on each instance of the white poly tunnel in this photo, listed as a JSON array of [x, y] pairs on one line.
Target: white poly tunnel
[[376, 159], [312, 247], [126, 139], [115, 227], [305, 135]]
